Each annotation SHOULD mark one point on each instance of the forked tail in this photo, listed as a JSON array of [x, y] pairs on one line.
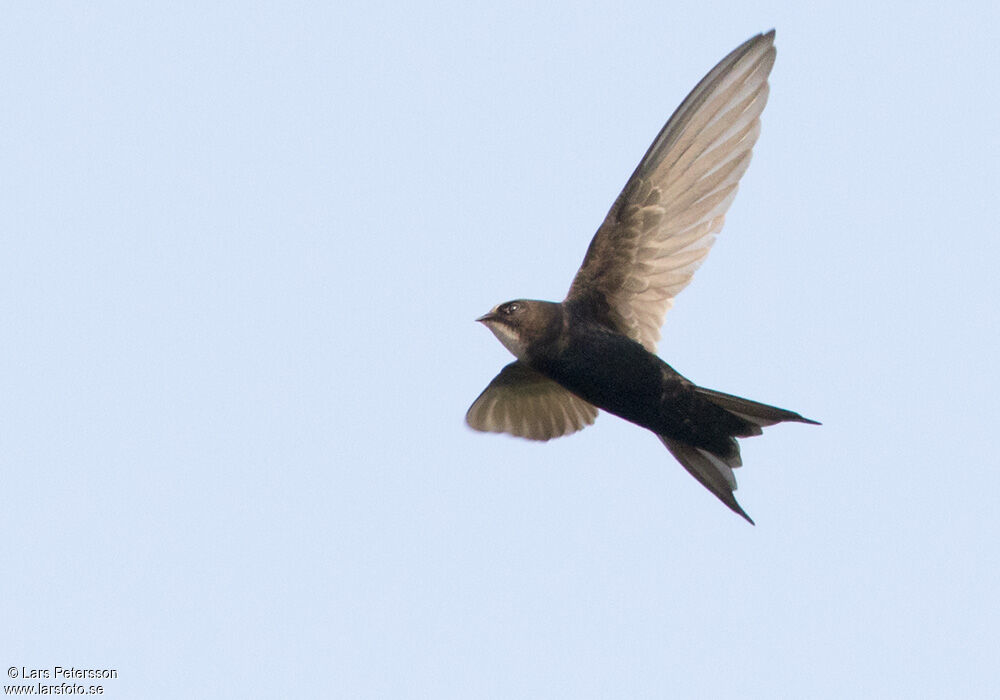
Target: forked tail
[[714, 471]]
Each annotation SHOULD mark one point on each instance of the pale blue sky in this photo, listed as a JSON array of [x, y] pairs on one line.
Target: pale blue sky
[[242, 249]]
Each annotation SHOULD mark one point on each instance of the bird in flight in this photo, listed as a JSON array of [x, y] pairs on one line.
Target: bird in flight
[[597, 348]]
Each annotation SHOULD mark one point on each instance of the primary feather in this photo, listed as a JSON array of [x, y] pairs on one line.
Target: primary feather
[[664, 222]]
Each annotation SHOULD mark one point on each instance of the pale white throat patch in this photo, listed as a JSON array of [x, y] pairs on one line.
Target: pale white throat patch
[[509, 337]]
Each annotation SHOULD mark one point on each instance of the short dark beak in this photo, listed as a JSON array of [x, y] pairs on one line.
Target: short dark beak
[[486, 317]]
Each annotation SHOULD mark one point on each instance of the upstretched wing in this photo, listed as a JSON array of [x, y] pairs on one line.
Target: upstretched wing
[[663, 223], [522, 402]]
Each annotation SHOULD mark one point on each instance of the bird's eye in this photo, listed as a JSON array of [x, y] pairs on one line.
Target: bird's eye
[[511, 308]]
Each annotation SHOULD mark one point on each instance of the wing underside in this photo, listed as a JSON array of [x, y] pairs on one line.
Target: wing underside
[[523, 402], [664, 222]]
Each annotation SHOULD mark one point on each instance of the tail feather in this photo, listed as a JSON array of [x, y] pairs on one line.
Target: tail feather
[[759, 414], [712, 471]]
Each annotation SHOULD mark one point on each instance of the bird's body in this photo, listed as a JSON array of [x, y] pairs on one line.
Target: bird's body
[[618, 375], [595, 349]]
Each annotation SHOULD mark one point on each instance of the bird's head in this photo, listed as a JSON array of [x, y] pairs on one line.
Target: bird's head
[[520, 323]]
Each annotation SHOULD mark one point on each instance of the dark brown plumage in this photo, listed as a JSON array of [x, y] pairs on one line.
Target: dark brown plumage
[[596, 349]]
